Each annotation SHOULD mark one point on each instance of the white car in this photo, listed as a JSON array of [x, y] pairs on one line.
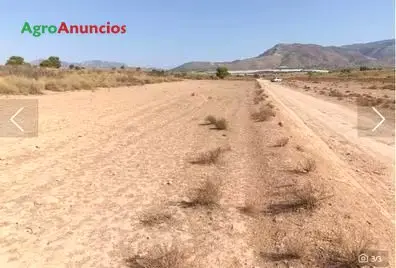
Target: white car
[[276, 79]]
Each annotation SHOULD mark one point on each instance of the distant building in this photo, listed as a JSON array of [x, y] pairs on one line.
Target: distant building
[[276, 70]]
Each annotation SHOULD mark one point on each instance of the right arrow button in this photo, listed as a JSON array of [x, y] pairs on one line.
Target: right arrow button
[[382, 119]]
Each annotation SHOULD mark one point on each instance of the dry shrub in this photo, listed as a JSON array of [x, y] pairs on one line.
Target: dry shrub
[[159, 257], [258, 99], [270, 105], [155, 217], [363, 101], [206, 195], [221, 124], [282, 142], [305, 166], [372, 87], [335, 93], [299, 148], [292, 249], [211, 119], [306, 197], [20, 85], [209, 157], [389, 86], [259, 92], [251, 208], [347, 248], [264, 114]]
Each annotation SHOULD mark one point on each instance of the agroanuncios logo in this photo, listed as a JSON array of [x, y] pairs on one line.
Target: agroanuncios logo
[[64, 28]]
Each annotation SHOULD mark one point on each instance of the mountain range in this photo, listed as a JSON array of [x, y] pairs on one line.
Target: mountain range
[[373, 54]]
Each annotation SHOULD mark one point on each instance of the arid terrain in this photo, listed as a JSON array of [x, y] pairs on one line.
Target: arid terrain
[[197, 173]]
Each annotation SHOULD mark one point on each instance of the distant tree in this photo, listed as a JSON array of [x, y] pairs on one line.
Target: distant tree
[[346, 71], [71, 66], [15, 60], [222, 72], [158, 72], [138, 69], [51, 62], [122, 67], [364, 68]]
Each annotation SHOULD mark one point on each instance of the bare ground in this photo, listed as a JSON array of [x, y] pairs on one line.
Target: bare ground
[[76, 195]]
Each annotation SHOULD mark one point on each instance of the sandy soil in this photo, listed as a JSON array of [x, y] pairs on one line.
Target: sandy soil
[[74, 196], [347, 92]]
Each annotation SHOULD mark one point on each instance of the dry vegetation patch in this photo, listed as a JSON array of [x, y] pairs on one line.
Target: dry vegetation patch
[[282, 142], [33, 80], [292, 249], [347, 248], [210, 119], [305, 165], [206, 195], [209, 157], [306, 197], [155, 217], [221, 124], [159, 257], [263, 114]]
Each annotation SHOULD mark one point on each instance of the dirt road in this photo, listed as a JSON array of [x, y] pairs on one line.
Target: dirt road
[[74, 196]]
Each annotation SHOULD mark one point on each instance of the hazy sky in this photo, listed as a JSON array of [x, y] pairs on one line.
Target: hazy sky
[[164, 33]]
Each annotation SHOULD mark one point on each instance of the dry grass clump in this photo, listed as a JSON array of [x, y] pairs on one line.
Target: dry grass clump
[[20, 85], [259, 96], [259, 91], [159, 257], [258, 99], [211, 119], [363, 101], [306, 197], [206, 195], [305, 166], [251, 208], [209, 157], [264, 114], [368, 100], [389, 86], [221, 124], [346, 250], [335, 93], [292, 249], [155, 217], [282, 142]]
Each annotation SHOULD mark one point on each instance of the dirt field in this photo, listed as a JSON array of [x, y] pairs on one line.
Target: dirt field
[[365, 89], [112, 177]]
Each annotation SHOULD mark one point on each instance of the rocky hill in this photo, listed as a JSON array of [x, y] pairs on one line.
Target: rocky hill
[[378, 54]]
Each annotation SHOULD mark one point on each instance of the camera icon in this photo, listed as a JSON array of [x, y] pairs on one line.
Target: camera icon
[[363, 258]]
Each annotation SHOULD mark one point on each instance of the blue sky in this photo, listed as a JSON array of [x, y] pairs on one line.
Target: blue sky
[[168, 33]]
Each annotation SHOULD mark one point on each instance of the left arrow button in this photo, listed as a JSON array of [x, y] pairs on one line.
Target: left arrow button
[[14, 122]]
